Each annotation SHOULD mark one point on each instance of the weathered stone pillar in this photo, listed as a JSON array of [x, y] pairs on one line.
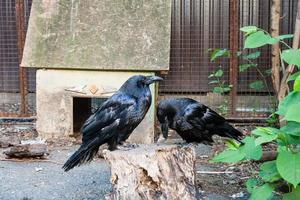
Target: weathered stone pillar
[[153, 172]]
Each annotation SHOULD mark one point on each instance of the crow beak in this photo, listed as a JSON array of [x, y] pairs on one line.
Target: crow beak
[[152, 79]]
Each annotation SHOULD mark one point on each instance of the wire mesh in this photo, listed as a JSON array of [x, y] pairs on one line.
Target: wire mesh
[[10, 96], [197, 26], [200, 25]]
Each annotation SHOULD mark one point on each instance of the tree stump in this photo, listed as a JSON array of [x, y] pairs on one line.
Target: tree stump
[[153, 172]]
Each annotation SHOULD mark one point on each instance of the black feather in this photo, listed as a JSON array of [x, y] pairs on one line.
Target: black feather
[[115, 120], [193, 121]]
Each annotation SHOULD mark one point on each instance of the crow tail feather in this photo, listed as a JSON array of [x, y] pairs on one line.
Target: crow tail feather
[[84, 154]]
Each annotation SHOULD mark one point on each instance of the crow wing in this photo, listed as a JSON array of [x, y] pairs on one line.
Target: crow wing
[[113, 115], [199, 116]]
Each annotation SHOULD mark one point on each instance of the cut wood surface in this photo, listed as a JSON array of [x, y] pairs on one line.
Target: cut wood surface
[[153, 172]]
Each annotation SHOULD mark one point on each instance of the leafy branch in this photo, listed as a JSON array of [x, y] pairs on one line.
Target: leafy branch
[[285, 169]]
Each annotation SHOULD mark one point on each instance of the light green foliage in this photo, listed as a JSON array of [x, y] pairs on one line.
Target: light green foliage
[[251, 184], [257, 85], [292, 128], [219, 53], [229, 156], [295, 194], [283, 37], [250, 150], [286, 168], [258, 39], [249, 29], [268, 172], [219, 73], [263, 192], [253, 55], [297, 84], [222, 86], [288, 165], [291, 56], [244, 67], [288, 103], [294, 76], [232, 144], [293, 114], [265, 134]]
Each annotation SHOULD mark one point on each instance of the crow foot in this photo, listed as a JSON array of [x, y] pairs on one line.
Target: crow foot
[[127, 146]]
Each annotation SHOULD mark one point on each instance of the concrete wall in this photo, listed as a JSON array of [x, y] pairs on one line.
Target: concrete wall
[[104, 34], [55, 100]]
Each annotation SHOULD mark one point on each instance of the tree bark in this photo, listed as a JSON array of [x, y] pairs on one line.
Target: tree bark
[[153, 172], [284, 86], [275, 31]]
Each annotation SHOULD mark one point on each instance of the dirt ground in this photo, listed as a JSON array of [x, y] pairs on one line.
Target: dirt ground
[[45, 180]]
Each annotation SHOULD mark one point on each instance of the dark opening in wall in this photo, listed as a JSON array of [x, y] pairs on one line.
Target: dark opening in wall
[[82, 109]]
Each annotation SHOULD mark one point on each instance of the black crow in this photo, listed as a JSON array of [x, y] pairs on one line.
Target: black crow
[[193, 121], [115, 119]]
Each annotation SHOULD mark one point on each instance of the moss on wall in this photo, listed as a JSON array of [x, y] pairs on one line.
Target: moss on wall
[[106, 34]]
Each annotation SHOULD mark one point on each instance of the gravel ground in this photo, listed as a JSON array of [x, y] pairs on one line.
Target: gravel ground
[[30, 180], [44, 180]]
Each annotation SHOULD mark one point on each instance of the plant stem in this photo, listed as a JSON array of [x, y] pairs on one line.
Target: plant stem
[[261, 74]]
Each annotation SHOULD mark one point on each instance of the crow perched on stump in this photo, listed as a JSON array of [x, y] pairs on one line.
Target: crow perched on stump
[[115, 119], [193, 121]]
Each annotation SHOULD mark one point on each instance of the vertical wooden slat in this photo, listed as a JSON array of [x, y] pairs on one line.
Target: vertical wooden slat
[[234, 39], [21, 41]]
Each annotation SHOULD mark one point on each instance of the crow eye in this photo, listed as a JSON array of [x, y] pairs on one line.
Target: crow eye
[[142, 83]]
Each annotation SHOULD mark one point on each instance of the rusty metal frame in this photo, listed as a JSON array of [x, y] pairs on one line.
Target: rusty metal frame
[[234, 44], [20, 17]]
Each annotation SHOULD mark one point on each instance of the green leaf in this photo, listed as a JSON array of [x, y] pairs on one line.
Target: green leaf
[[219, 73], [249, 29], [291, 56], [285, 139], [297, 84], [261, 131], [226, 89], [288, 165], [263, 192], [265, 139], [211, 75], [292, 113], [218, 53], [214, 82], [218, 90], [268, 72], [282, 37], [294, 76], [257, 85], [250, 150], [292, 128], [251, 184], [289, 101], [232, 144], [246, 66], [268, 171], [229, 156], [257, 39], [266, 134], [273, 40], [253, 55], [295, 194]]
